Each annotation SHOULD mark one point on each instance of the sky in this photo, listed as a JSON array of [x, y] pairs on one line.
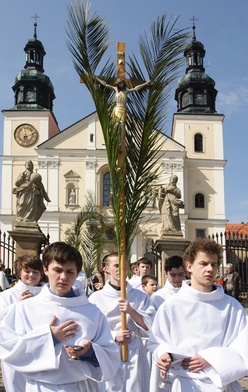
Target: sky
[[221, 26]]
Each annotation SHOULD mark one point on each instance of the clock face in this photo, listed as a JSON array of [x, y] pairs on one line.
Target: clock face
[[26, 135]]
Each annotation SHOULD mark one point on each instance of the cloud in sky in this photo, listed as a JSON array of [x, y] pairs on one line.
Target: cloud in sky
[[233, 97]]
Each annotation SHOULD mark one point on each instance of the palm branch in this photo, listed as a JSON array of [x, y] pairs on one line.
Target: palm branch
[[87, 234], [161, 53]]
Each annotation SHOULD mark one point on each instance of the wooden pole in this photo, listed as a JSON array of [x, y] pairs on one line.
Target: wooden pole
[[122, 164]]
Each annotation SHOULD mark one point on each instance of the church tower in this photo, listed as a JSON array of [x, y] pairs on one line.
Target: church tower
[[32, 88], [199, 128], [195, 92], [27, 124]]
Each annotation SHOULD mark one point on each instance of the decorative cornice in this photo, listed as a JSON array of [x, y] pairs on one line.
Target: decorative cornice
[[172, 166], [91, 165], [48, 164]]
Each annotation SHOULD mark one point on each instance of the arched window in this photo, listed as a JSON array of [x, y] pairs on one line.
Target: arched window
[[106, 186], [199, 200], [29, 94], [185, 99], [198, 142], [42, 97]]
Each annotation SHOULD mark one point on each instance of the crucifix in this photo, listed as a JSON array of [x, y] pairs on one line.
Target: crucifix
[[121, 92], [122, 88]]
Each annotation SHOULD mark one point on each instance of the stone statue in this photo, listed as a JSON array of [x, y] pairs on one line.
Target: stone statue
[[121, 92], [72, 197], [30, 194], [169, 204]]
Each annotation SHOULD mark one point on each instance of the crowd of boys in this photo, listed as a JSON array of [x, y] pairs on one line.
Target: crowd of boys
[[55, 338]]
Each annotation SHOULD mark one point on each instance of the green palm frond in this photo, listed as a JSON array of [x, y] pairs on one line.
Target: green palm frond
[[161, 53], [87, 234], [162, 58]]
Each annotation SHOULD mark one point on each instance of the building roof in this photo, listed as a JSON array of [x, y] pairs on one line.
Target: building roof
[[240, 228]]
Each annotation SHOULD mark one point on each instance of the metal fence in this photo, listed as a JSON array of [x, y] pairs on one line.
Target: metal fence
[[235, 247], [7, 250], [235, 251]]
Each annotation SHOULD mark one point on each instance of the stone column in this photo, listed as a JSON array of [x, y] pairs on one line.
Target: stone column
[[28, 238], [169, 246]]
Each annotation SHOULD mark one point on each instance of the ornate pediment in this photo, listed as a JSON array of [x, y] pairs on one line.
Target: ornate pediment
[[71, 175]]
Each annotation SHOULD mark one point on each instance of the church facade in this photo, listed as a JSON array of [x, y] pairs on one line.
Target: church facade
[[73, 162]]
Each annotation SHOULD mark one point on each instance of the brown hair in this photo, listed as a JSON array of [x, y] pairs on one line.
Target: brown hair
[[145, 279], [61, 252], [28, 261], [202, 245], [173, 262], [144, 260]]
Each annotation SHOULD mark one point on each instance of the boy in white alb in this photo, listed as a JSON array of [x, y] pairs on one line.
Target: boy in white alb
[[36, 335], [175, 274], [194, 330], [144, 266], [133, 375], [29, 272]]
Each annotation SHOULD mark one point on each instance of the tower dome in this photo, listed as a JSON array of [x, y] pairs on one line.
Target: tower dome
[[32, 88], [195, 92]]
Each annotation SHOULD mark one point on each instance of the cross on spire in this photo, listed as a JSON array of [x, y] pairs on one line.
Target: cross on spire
[[35, 17], [193, 26]]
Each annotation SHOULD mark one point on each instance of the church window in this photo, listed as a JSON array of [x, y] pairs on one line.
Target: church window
[[199, 200], [42, 97], [200, 233], [32, 56], [110, 234], [195, 58], [198, 142], [29, 94], [185, 99], [19, 96], [106, 186], [198, 97]]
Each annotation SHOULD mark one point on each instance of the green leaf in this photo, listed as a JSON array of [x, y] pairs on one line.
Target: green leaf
[[160, 60]]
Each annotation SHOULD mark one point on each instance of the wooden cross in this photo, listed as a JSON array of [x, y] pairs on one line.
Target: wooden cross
[[121, 73]]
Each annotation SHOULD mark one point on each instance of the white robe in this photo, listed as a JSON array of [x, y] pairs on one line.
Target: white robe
[[7, 299], [3, 281], [163, 294], [205, 323], [133, 375], [136, 282], [26, 343], [10, 296]]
